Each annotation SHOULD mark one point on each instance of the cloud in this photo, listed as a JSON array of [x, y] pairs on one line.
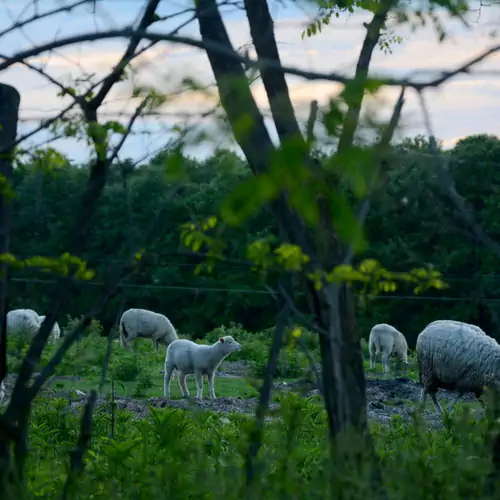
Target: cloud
[[459, 108]]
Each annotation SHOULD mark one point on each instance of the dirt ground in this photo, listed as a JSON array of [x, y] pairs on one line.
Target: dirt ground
[[386, 398]]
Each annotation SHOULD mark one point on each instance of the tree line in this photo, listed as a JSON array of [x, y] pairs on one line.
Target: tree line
[[411, 223]]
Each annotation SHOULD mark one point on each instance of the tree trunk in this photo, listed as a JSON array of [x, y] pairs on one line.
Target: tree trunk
[[332, 308]]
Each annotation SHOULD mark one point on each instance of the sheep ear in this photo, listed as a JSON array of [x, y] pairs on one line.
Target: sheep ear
[[221, 339]]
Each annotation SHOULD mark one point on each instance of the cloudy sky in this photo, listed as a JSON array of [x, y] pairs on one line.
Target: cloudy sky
[[467, 105]]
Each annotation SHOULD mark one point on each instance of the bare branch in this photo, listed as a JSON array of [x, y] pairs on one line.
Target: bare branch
[[222, 49], [39, 17], [148, 18]]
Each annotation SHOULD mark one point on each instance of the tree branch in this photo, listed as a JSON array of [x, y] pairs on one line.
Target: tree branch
[[262, 31], [222, 49], [360, 77]]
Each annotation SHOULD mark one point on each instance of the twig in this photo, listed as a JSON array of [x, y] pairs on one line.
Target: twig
[[313, 115], [39, 17], [76, 463], [256, 432]]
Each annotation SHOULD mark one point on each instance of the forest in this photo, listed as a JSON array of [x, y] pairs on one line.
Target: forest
[[411, 223]]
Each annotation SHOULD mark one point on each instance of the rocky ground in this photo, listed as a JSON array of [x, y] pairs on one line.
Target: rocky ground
[[386, 398]]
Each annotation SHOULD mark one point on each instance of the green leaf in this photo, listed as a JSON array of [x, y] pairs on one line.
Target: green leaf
[[247, 198], [345, 222]]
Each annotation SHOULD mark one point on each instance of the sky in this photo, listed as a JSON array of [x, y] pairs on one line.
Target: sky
[[467, 105]]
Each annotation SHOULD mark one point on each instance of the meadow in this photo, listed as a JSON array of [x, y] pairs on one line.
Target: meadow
[[143, 446]]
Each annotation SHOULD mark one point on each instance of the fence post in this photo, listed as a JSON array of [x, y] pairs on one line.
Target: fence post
[[9, 115]]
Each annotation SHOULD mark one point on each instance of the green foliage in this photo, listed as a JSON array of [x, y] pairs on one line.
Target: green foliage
[[410, 225], [201, 455]]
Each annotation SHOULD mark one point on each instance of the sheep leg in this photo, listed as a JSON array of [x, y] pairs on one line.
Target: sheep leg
[[199, 384], [373, 359], [454, 402], [436, 402], [423, 397], [385, 362], [210, 377], [166, 380], [155, 344], [183, 385]]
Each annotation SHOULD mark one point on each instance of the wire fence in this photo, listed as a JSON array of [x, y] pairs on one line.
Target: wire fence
[[262, 291]]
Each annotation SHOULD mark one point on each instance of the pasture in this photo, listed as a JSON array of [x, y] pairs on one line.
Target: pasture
[[144, 445]]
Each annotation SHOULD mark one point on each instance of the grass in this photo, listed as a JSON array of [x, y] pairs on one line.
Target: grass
[[224, 387], [178, 454]]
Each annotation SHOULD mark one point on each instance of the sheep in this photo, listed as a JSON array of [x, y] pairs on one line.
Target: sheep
[[191, 358], [387, 340], [55, 333], [2, 391], [28, 322], [146, 324], [23, 322], [456, 356]]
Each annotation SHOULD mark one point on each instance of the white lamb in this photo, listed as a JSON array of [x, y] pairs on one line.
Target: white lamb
[[456, 356], [191, 358], [385, 339], [142, 323], [55, 333]]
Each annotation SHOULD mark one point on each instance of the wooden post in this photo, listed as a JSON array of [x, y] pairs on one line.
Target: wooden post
[[9, 115]]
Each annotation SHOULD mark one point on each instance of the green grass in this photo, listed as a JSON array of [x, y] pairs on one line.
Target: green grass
[[178, 454], [224, 387]]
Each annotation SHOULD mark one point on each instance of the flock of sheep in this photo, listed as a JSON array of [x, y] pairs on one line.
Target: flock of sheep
[[183, 355], [451, 355]]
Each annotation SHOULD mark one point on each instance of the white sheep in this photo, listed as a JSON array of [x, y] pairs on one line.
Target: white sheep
[[456, 356], [191, 358], [23, 322], [27, 322], [146, 324], [385, 339], [55, 333]]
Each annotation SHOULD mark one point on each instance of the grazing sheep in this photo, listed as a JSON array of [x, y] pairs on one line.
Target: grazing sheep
[[146, 324], [23, 322], [55, 333], [190, 358], [456, 356], [387, 340], [27, 322]]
